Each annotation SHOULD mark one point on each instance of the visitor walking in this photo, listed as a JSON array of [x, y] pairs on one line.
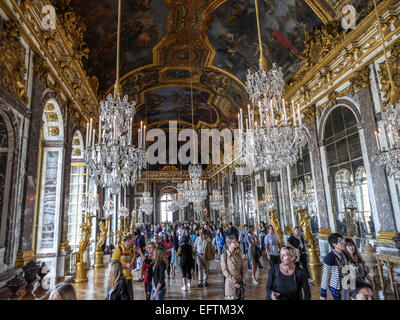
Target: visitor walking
[[185, 251], [157, 274], [297, 242], [234, 270], [253, 242], [117, 287], [286, 281], [272, 246], [148, 261]]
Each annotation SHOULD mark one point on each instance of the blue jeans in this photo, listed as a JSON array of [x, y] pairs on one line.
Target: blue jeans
[[160, 294]]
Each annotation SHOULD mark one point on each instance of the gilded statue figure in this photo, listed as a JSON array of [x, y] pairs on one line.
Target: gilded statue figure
[[103, 234], [305, 225], [277, 227], [86, 227], [132, 226]]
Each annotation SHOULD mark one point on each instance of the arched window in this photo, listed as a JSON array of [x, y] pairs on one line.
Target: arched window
[[77, 190], [6, 152], [51, 179], [166, 214], [344, 158]]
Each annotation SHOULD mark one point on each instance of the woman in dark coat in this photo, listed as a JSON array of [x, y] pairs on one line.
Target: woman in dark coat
[[185, 251]]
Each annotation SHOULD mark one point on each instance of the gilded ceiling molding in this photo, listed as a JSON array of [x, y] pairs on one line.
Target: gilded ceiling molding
[[350, 53], [62, 49], [323, 13], [12, 60]]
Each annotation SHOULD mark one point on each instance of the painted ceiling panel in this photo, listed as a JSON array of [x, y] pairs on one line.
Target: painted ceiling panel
[[143, 25], [233, 34]]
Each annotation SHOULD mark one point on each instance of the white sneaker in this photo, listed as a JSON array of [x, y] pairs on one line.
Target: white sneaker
[[184, 288], [255, 281], [188, 285]]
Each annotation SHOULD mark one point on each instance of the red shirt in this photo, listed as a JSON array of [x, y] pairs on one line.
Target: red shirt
[[168, 247]]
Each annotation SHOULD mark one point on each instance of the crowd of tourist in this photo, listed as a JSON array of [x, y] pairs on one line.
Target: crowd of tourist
[[159, 252]]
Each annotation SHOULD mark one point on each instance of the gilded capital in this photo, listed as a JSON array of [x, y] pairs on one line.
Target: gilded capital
[[361, 79]]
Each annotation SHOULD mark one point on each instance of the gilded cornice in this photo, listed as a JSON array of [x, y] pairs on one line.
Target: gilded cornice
[[321, 11], [62, 50], [349, 54], [394, 63]]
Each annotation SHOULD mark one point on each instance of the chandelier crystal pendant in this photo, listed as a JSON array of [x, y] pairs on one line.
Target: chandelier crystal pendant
[[182, 201], [113, 162], [349, 197], [173, 206]]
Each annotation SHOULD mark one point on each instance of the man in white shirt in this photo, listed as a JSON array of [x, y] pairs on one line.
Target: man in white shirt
[[201, 260]]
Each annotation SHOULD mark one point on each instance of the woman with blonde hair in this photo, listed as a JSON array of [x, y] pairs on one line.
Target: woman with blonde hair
[[157, 273], [117, 289], [147, 262], [63, 291], [286, 281]]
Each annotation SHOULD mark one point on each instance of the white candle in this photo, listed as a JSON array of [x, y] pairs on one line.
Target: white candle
[[94, 136], [294, 114], [99, 129], [87, 135], [130, 132], [115, 128], [90, 131], [377, 140], [144, 136], [299, 115], [272, 113], [241, 118], [284, 112]]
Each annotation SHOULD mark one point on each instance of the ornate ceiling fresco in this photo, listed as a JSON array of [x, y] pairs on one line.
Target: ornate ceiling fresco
[[170, 46], [142, 27], [233, 34]]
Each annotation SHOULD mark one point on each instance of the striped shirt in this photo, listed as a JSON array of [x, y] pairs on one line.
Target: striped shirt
[[331, 274]]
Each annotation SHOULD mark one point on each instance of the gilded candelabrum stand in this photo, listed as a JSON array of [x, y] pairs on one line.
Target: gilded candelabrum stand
[[120, 232], [277, 226], [313, 252], [81, 266], [98, 255]]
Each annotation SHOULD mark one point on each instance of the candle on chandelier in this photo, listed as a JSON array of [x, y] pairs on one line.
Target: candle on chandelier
[[294, 114], [130, 132], [272, 112], [87, 134], [284, 110], [94, 135], [115, 128], [90, 131], [299, 115], [99, 129], [378, 140], [241, 118], [144, 136]]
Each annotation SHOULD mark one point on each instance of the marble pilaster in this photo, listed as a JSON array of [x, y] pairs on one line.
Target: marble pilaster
[[379, 195]]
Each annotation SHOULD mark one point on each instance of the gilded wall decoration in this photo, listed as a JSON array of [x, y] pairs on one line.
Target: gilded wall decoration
[[361, 78], [310, 113], [394, 64], [12, 60], [51, 116]]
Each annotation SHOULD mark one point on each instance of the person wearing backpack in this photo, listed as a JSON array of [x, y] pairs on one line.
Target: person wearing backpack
[[234, 270], [286, 280]]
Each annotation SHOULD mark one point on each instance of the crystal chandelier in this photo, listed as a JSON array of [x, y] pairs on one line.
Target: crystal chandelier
[[271, 143], [349, 197], [108, 207], [216, 199], [195, 190], [123, 211], [389, 158], [182, 202], [90, 203], [173, 206], [146, 203], [300, 199], [268, 204], [113, 162]]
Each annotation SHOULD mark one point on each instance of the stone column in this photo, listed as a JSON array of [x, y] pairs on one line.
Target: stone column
[[379, 195], [320, 195]]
